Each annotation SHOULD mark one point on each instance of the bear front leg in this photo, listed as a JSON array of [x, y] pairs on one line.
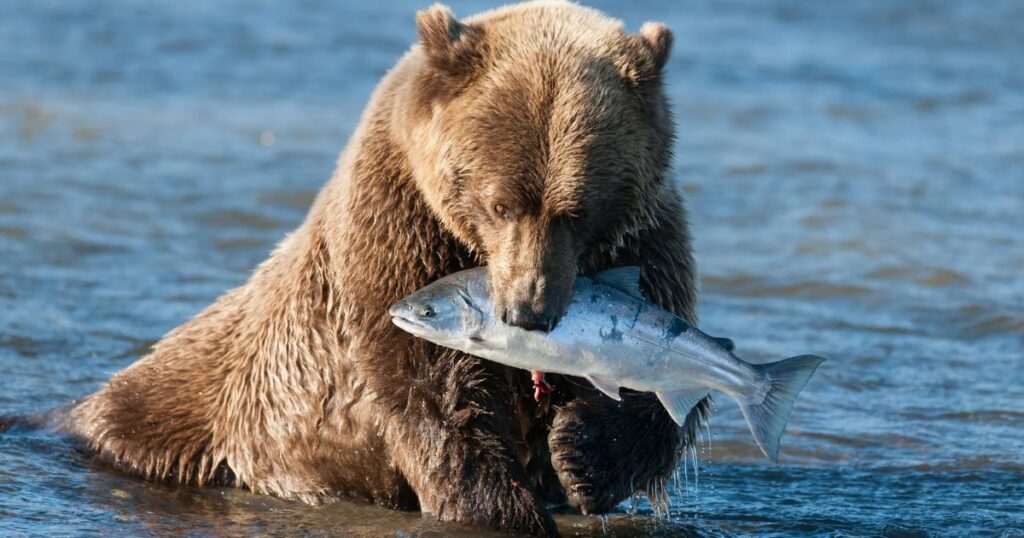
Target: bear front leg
[[602, 450], [469, 477], [455, 450]]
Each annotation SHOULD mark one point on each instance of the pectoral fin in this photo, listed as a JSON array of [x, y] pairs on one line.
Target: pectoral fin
[[607, 386], [679, 402], [490, 343]]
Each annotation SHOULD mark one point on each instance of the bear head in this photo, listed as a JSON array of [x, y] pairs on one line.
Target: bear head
[[539, 134]]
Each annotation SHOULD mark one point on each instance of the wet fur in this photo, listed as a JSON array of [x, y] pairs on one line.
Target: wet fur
[[296, 384]]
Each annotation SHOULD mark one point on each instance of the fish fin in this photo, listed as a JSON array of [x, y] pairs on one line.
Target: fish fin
[[607, 386], [726, 343], [625, 279], [767, 419], [493, 343], [679, 402]]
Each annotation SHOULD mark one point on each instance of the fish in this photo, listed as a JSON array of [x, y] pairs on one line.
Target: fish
[[613, 337]]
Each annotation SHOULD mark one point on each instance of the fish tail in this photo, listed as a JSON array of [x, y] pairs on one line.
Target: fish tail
[[767, 418]]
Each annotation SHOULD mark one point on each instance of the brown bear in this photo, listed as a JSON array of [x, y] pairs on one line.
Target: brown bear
[[535, 139]]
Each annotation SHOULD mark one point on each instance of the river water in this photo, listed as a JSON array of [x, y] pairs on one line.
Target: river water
[[854, 171]]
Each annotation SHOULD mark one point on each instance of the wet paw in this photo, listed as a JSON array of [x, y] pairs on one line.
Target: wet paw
[[581, 456]]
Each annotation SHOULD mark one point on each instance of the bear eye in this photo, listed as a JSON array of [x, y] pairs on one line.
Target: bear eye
[[503, 212]]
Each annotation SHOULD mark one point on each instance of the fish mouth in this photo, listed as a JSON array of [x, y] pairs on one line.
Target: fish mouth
[[408, 324], [397, 309]]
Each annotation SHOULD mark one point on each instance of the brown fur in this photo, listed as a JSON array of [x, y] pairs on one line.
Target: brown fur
[[296, 384]]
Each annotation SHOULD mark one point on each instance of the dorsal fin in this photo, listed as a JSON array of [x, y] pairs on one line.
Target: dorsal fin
[[726, 343], [625, 279]]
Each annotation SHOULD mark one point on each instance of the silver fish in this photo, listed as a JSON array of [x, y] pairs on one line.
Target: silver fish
[[613, 337]]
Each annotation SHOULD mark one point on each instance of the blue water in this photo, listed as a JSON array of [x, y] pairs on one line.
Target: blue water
[[854, 171]]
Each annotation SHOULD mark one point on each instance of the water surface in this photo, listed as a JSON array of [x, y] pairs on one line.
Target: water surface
[[854, 172]]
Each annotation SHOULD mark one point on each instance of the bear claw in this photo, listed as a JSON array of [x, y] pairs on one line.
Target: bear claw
[[576, 455]]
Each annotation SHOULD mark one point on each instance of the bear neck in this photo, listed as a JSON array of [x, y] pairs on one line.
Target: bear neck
[[380, 235]]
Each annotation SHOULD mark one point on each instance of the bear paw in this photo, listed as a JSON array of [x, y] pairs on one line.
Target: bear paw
[[582, 454]]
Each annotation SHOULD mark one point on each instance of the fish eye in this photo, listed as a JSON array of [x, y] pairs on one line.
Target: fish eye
[[426, 311]]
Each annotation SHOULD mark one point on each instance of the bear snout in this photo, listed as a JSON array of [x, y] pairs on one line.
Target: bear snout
[[534, 304], [528, 319]]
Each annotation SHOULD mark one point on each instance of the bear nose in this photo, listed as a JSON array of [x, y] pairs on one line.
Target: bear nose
[[526, 318]]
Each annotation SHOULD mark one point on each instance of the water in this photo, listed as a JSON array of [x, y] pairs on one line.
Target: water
[[855, 173]]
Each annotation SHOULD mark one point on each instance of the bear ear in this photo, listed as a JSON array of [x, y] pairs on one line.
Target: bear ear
[[449, 44], [658, 40], [655, 44]]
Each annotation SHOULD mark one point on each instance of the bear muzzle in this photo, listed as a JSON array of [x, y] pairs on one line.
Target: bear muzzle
[[534, 304]]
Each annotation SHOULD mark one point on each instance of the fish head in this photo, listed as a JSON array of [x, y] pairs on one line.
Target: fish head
[[447, 312]]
